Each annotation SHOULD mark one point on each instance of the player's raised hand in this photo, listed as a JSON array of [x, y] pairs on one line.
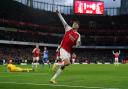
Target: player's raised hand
[[57, 11]]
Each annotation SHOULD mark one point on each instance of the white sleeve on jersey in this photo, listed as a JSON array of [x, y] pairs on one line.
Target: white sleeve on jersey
[[78, 43], [62, 19], [58, 48], [113, 52], [119, 51], [67, 28], [39, 50], [33, 50]]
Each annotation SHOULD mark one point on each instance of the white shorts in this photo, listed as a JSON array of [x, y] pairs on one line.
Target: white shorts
[[64, 54], [116, 59], [35, 58], [73, 60]]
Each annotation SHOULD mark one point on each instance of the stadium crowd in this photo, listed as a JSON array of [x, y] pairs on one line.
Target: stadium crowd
[[29, 37], [20, 53]]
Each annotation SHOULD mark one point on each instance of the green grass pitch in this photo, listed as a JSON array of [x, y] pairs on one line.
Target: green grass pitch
[[80, 76]]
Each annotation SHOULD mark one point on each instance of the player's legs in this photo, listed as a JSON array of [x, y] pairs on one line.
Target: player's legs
[[27, 69], [37, 61], [65, 63], [65, 56], [56, 66], [33, 61], [116, 62], [57, 63], [48, 63], [18, 69], [43, 62], [73, 61]]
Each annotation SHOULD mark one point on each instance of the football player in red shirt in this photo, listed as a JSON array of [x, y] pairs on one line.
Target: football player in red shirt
[[73, 58], [116, 55], [36, 54], [71, 38]]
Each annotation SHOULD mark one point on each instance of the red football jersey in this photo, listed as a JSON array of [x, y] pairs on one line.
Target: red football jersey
[[116, 55], [70, 39], [36, 52], [73, 56]]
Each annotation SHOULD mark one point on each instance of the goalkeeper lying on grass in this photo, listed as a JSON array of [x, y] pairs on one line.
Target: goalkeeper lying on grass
[[12, 68]]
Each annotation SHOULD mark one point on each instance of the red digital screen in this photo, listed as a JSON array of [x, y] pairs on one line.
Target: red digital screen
[[88, 7]]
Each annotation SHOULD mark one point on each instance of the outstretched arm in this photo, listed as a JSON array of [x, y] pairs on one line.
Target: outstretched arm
[[119, 51], [66, 26], [62, 19], [113, 52], [33, 50]]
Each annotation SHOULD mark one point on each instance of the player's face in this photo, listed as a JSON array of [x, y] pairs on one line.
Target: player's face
[[116, 52], [10, 61], [76, 25], [45, 48]]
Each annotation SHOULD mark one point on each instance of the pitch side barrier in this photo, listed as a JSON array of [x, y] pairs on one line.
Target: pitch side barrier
[[56, 45]]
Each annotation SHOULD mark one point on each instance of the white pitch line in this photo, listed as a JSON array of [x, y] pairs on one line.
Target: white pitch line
[[10, 76], [19, 75], [69, 86]]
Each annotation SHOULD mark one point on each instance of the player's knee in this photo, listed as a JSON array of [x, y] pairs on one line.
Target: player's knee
[[66, 63], [62, 67]]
